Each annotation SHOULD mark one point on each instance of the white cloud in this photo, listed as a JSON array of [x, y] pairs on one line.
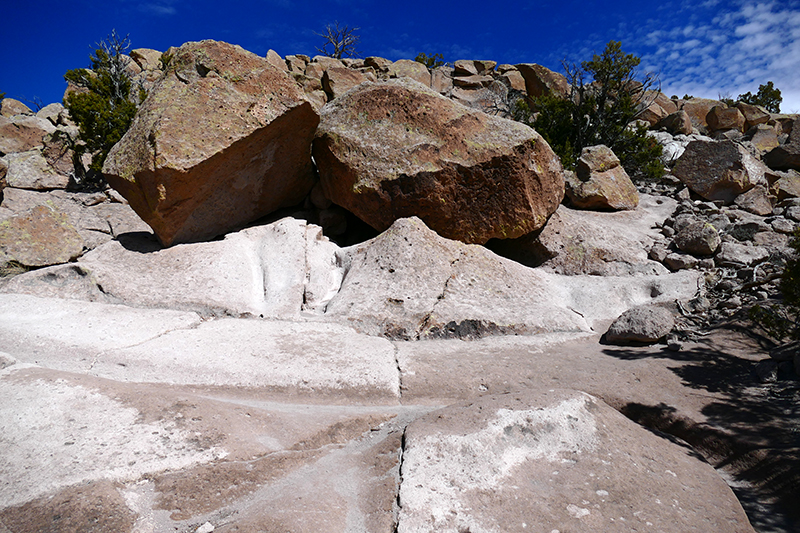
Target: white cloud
[[727, 48], [164, 8]]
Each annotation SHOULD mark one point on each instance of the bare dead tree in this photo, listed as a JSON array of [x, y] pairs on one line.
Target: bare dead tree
[[340, 41]]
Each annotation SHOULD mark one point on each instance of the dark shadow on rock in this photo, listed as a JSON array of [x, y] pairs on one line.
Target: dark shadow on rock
[[752, 429], [139, 241]]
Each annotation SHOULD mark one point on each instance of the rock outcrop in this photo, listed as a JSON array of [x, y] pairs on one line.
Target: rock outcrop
[[397, 149], [600, 182], [222, 139], [719, 170]]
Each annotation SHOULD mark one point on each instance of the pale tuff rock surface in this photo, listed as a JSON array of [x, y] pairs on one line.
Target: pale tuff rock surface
[[553, 461], [398, 149], [222, 139]]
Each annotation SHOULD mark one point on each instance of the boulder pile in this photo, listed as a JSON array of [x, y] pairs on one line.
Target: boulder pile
[[350, 295]]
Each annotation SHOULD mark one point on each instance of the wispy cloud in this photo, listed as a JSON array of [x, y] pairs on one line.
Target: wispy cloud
[[160, 8], [729, 50]]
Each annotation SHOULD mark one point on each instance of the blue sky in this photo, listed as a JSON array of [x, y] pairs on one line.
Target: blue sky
[[707, 49]]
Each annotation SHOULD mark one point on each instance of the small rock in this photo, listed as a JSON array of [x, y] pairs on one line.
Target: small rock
[[781, 225], [205, 528], [767, 371], [680, 261], [645, 324], [698, 238]]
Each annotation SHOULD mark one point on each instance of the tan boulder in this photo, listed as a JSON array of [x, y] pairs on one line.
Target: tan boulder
[[719, 170], [10, 107], [676, 123], [722, 118], [21, 133], [222, 140], [666, 103], [600, 182], [786, 156], [464, 67], [30, 170], [39, 237], [397, 149], [442, 80], [380, 64], [276, 60], [315, 70], [338, 81], [784, 184], [147, 58], [475, 81], [698, 109], [411, 69], [327, 62], [541, 80], [757, 201], [763, 137], [653, 114], [513, 79], [753, 114], [297, 63]]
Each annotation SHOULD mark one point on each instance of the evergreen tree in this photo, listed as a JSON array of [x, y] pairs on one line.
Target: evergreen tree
[[103, 107], [605, 98], [768, 96]]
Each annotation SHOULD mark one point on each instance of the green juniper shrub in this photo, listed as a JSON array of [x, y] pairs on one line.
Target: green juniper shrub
[[2, 95], [782, 320], [430, 61], [600, 111], [103, 107], [768, 96]]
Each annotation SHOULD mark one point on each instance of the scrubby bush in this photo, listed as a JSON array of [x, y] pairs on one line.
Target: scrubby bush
[[604, 101], [768, 96], [103, 106], [430, 61]]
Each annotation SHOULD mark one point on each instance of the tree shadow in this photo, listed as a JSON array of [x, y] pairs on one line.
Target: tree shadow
[[752, 429]]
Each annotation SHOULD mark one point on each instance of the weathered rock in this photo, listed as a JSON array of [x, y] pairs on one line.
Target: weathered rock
[[541, 80], [514, 80], [276, 60], [698, 109], [380, 64], [51, 112], [473, 82], [578, 242], [327, 62], [756, 201], [469, 176], [698, 238], [725, 118], [763, 137], [786, 156], [3, 172], [677, 123], [738, 255], [147, 58], [680, 261], [442, 80], [641, 325], [719, 170], [222, 140], [29, 170], [553, 460], [411, 69], [753, 114], [297, 63], [39, 237], [600, 182], [10, 107], [464, 67], [21, 133], [338, 81], [784, 184], [653, 114], [469, 292], [278, 271]]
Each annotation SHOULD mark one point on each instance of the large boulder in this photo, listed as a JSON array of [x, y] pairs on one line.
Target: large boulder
[[719, 170], [698, 109], [541, 81], [21, 133], [722, 117], [30, 170], [410, 283], [600, 182], [397, 149], [787, 156], [411, 69], [554, 460], [223, 139], [39, 237]]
